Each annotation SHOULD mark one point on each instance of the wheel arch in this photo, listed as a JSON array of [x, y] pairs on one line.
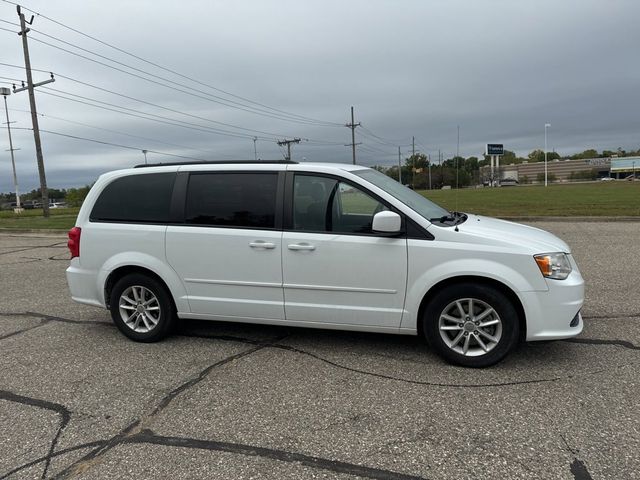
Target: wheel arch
[[479, 280], [121, 272]]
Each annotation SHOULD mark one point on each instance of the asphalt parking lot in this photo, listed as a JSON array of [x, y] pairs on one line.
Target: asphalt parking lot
[[229, 401]]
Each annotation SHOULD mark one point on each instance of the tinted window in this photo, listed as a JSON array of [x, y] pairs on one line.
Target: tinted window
[[322, 204], [143, 198], [232, 199]]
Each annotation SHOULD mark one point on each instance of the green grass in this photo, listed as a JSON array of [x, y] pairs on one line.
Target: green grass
[[589, 199], [593, 199], [61, 218]]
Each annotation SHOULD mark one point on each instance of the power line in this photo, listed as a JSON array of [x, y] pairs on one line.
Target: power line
[[302, 117], [129, 147], [128, 97], [221, 100], [173, 88], [149, 116], [110, 130], [162, 119]]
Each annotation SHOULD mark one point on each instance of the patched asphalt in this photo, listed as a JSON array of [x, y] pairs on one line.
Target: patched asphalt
[[237, 401]]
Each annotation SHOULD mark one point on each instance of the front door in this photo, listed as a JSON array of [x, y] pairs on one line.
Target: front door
[[335, 269]]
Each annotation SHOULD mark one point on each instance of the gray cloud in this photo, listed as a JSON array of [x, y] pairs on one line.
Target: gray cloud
[[499, 69]]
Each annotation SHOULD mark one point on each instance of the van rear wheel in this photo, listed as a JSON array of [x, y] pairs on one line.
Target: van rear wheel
[[142, 308], [471, 325]]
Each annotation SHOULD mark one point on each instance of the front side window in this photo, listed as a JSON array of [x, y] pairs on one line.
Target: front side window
[[413, 200], [142, 198], [232, 200], [322, 204]]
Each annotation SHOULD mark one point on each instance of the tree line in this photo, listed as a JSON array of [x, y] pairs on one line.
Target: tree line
[[73, 197]]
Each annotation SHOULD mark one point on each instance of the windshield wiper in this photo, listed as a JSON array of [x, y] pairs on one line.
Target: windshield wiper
[[455, 217], [443, 219]]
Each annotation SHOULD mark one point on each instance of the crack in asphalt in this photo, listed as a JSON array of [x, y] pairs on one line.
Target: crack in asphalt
[[610, 316], [603, 341], [231, 338], [58, 453], [577, 467], [35, 247], [91, 458], [64, 412], [335, 466]]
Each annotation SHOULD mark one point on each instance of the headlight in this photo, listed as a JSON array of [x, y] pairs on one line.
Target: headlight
[[553, 265]]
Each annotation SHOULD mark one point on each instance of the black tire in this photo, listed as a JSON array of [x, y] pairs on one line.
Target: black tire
[[161, 311], [498, 339]]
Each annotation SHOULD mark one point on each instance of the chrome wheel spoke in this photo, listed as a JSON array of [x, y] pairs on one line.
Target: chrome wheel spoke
[[450, 327], [484, 314], [481, 343], [127, 307], [489, 323], [128, 300], [491, 338], [465, 347], [460, 309], [457, 339], [449, 318]]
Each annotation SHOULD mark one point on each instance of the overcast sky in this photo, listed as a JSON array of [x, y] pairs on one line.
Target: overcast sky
[[498, 69]]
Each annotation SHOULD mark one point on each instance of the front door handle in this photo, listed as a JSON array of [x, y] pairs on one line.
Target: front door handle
[[261, 244], [301, 246]]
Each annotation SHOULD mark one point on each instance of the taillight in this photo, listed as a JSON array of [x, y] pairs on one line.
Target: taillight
[[74, 241]]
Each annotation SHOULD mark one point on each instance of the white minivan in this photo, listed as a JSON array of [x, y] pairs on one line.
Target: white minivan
[[316, 245]]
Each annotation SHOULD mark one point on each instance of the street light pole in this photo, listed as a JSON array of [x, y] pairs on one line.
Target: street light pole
[[145, 156], [546, 125], [5, 92]]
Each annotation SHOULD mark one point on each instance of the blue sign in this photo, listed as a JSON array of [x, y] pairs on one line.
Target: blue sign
[[495, 149]]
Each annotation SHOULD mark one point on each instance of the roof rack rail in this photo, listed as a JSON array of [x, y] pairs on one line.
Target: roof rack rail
[[214, 162]]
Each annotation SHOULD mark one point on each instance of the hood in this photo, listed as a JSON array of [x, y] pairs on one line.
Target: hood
[[492, 231]]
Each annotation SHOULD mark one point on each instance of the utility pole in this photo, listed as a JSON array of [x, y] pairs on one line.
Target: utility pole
[[34, 113], [288, 144], [413, 160], [399, 167], [429, 160], [5, 92], [353, 143], [144, 152], [255, 149]]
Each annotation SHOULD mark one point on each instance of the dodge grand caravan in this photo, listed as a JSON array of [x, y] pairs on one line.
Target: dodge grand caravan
[[316, 245]]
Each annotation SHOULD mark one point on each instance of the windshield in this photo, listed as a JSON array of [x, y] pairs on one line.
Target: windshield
[[415, 201]]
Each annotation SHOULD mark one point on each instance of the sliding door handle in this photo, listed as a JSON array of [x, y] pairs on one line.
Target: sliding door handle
[[301, 246], [261, 244]]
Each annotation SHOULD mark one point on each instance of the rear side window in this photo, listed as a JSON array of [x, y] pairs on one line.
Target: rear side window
[[232, 200], [143, 198]]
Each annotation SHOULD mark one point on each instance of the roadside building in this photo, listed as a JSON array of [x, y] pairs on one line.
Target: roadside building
[[557, 170], [625, 167]]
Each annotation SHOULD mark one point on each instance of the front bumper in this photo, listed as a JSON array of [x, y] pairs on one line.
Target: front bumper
[[555, 314]]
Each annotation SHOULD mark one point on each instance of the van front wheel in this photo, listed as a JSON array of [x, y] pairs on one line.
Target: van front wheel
[[141, 308], [471, 325]]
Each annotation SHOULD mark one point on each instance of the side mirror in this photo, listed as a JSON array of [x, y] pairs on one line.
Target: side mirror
[[386, 222]]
